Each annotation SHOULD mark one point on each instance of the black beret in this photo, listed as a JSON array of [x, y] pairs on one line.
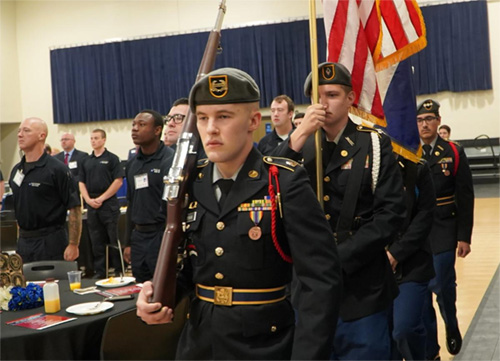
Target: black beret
[[329, 73], [428, 106], [224, 86]]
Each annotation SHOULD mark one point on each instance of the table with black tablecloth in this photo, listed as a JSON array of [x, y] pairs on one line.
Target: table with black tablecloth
[[75, 340]]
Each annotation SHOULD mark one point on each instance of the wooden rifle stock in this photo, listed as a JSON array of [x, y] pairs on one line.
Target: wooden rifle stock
[[176, 184]]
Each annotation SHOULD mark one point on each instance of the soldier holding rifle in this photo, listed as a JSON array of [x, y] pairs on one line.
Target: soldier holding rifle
[[245, 231]]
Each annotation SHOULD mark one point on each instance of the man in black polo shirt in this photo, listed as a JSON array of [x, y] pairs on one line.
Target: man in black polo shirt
[[282, 108], [146, 211], [44, 190], [101, 176]]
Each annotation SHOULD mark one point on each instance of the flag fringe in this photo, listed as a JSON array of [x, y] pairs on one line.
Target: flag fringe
[[401, 54], [407, 153], [370, 117]]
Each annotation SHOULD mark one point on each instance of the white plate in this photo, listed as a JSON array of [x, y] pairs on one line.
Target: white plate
[[88, 308], [117, 282]]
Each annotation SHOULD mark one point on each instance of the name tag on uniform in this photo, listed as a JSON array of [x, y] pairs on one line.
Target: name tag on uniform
[[18, 178], [141, 181], [73, 165]]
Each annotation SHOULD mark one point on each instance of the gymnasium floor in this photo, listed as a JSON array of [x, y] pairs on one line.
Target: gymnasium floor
[[478, 296]]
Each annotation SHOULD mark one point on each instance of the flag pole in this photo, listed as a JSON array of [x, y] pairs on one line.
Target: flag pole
[[314, 97]]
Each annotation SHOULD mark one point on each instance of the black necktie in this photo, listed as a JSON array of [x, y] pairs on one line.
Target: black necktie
[[224, 186], [427, 150], [328, 149]]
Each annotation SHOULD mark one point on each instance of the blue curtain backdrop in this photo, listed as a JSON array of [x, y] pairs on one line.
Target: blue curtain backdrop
[[117, 80], [457, 56]]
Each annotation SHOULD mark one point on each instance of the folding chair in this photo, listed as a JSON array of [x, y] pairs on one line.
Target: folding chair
[[41, 270]]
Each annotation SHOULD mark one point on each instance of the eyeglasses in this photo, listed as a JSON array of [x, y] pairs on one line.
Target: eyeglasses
[[177, 118], [426, 119], [65, 139]]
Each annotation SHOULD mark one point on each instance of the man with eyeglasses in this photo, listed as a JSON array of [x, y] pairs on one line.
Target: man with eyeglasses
[[452, 227], [70, 156], [174, 122]]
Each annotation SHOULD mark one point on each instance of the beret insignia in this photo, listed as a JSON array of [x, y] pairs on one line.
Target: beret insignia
[[218, 85], [328, 72]]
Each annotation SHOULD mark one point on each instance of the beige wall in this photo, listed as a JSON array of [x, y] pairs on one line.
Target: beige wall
[[470, 114], [35, 26]]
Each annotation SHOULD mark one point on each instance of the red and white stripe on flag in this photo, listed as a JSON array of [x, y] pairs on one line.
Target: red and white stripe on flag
[[370, 35]]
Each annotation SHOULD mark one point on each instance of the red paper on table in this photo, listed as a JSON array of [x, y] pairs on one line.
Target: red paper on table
[[40, 321], [121, 291]]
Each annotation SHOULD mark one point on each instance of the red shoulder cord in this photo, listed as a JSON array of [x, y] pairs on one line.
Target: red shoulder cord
[[457, 158], [273, 172]]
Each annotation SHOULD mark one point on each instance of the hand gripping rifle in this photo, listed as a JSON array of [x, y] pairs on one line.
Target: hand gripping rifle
[[177, 181]]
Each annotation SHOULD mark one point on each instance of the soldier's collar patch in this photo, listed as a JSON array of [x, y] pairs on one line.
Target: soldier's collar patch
[[253, 174], [328, 72], [218, 85], [202, 163]]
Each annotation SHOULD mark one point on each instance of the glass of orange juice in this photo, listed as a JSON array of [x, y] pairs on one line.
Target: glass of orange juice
[[75, 280]]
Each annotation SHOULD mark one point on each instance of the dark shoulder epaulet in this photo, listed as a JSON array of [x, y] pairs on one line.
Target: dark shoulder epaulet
[[202, 163], [281, 162], [365, 128]]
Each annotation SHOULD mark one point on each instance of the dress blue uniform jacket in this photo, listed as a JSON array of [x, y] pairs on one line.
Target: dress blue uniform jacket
[[369, 283], [266, 331], [453, 218]]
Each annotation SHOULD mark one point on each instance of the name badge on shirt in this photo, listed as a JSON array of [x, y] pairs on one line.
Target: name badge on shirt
[[141, 181], [73, 165], [18, 178]]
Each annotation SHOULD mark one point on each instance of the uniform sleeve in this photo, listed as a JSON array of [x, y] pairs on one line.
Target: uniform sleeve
[[82, 174], [284, 150], [464, 197], [117, 169], [129, 223], [262, 144], [389, 211], [317, 267], [70, 196], [420, 225]]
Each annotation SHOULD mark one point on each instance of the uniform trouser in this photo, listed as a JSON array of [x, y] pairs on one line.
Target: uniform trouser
[[43, 248], [367, 338], [408, 325], [445, 287], [237, 332], [144, 253], [103, 229]]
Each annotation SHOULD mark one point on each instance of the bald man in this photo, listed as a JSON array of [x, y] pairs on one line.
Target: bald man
[[71, 156], [44, 190]]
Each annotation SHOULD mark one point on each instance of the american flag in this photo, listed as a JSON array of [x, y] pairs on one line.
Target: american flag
[[370, 36]]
